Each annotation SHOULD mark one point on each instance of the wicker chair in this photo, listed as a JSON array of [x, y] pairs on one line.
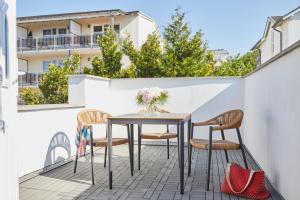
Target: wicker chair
[[229, 120], [155, 136], [91, 117]]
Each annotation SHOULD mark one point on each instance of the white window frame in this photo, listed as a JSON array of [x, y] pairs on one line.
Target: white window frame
[[4, 47], [273, 42]]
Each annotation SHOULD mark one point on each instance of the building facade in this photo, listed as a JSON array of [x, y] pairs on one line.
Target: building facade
[[46, 39], [220, 55], [280, 33]]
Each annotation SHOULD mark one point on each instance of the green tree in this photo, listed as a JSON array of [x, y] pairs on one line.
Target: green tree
[[72, 63], [109, 63], [53, 88], [185, 54], [54, 85], [147, 62], [238, 65]]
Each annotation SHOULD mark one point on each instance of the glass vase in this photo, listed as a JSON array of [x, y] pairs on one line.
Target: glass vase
[[151, 110]]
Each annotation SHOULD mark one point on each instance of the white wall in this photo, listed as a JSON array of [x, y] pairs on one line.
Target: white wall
[[48, 136], [271, 125], [75, 28], [203, 97], [146, 26], [294, 29], [8, 108]]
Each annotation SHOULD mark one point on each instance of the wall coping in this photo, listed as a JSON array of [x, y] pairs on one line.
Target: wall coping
[[161, 78], [288, 50], [42, 107]]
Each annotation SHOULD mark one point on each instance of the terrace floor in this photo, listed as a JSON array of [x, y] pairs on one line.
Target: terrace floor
[[157, 179]]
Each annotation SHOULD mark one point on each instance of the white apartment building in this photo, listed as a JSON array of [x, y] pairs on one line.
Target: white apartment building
[[46, 39], [280, 33], [220, 55]]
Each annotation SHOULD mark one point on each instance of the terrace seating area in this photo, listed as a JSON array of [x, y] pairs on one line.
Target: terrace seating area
[[157, 178]]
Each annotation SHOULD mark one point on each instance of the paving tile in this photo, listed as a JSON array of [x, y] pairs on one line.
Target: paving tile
[[157, 179]]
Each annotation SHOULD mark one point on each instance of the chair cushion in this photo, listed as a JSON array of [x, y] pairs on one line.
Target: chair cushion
[[216, 144], [102, 142], [158, 136]]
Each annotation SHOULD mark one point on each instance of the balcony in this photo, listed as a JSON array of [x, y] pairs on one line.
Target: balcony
[[29, 79], [57, 42], [270, 132]]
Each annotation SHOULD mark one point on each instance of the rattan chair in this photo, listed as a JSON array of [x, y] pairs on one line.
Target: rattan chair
[[229, 120], [91, 117], [155, 136]]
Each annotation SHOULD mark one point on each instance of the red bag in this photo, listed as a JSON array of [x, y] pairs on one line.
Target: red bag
[[243, 182]]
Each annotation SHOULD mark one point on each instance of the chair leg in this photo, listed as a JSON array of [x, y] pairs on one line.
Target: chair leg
[[105, 156], [139, 146], [75, 165], [92, 154], [223, 138], [190, 151], [242, 147], [209, 158], [168, 148]]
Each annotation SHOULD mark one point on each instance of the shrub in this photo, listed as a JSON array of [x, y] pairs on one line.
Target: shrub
[[31, 96]]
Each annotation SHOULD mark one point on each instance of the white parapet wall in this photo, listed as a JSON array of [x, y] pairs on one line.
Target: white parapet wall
[[271, 124], [203, 97], [46, 135]]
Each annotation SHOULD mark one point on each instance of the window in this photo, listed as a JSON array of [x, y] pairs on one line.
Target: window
[[54, 31], [6, 48], [106, 27], [97, 29], [46, 32], [46, 64], [62, 31], [117, 28]]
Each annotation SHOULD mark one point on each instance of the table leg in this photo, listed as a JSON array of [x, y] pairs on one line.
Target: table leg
[[109, 141], [181, 161], [129, 146], [132, 144]]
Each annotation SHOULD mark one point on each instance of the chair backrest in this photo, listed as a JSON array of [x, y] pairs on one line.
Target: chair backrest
[[92, 116], [228, 120]]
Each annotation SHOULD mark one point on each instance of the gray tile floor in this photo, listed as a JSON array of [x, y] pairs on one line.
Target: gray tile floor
[[157, 179]]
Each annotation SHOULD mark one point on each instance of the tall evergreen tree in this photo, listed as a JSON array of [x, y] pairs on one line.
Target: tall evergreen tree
[[147, 61], [185, 54]]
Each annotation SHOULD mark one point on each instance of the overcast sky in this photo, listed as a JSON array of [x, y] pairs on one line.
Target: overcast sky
[[235, 25]]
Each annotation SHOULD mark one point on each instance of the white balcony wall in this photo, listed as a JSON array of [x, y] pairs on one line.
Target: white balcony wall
[[48, 136], [271, 124], [203, 97]]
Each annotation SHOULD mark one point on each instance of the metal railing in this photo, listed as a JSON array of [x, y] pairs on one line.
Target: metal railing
[[29, 79], [57, 42]]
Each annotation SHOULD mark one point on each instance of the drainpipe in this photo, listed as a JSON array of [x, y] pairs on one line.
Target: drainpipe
[[280, 35], [112, 20]]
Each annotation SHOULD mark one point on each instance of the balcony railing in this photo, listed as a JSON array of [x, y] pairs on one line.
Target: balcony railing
[[29, 79], [57, 42]]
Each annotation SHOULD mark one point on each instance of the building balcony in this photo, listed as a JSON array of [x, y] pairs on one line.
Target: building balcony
[[29, 79], [54, 43]]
